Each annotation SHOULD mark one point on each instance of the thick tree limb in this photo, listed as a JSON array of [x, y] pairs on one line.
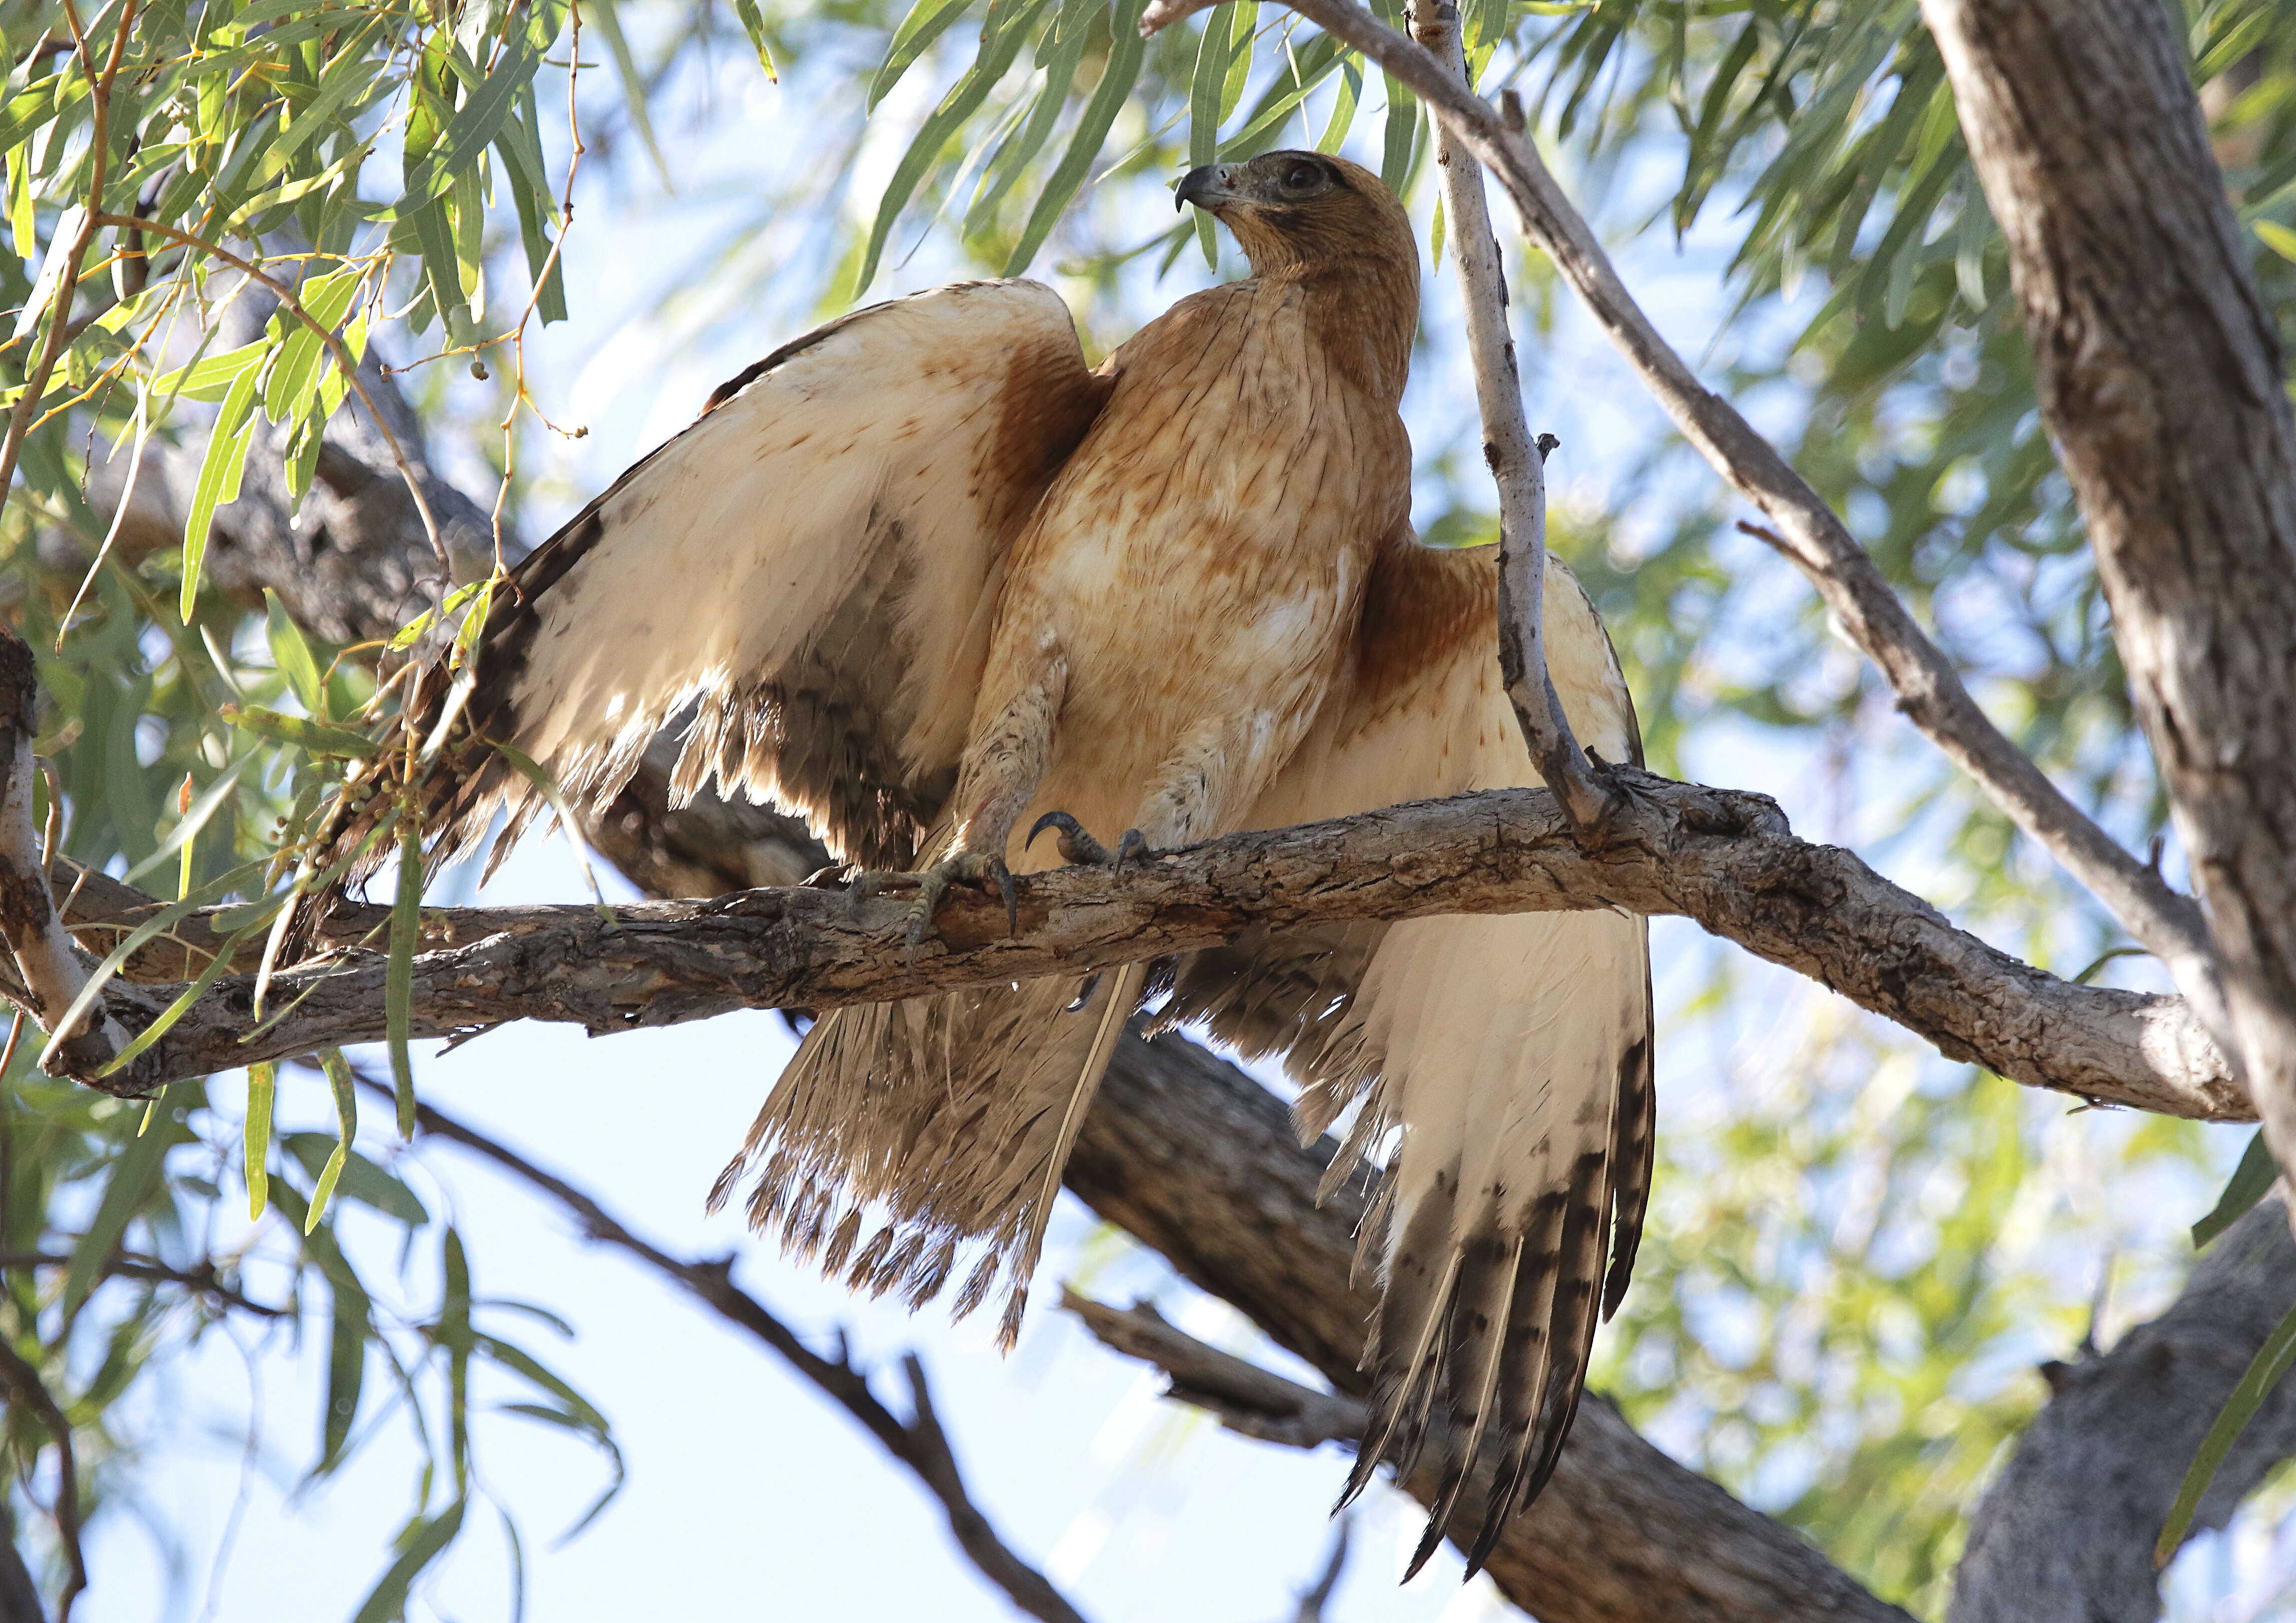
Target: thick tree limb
[[1198, 1161], [2065, 1534], [1929, 690], [1726, 858], [2160, 377], [918, 1442]]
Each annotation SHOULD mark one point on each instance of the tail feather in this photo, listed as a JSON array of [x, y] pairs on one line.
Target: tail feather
[[933, 1125]]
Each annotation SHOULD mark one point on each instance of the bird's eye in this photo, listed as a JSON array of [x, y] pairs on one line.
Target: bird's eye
[[1303, 177]]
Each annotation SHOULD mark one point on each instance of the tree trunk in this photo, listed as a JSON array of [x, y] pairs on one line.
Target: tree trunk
[[2161, 378]]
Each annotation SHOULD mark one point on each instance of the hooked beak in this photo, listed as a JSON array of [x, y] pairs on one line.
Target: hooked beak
[[1206, 187]]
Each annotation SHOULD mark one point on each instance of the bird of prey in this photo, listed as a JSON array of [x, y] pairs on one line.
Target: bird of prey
[[925, 578]]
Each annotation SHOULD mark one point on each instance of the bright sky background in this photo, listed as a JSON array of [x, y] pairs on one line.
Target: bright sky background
[[747, 1495]]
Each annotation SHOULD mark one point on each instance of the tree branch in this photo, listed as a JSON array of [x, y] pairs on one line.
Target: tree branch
[[1518, 465], [2065, 1533], [28, 1393], [919, 1443], [1726, 858], [1930, 692]]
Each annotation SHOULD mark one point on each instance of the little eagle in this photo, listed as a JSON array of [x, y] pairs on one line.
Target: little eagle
[[926, 578]]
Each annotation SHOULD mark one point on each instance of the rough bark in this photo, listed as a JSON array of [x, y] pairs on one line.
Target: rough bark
[[1723, 857], [2160, 377], [2065, 1535]]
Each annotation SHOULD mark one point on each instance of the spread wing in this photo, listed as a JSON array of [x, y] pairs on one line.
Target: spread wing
[[809, 571], [1511, 1050]]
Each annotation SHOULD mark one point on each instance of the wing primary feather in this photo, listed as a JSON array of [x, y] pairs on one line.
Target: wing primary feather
[[1121, 997], [1633, 1147]]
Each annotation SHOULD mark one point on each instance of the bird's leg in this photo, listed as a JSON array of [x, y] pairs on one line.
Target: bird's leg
[[995, 781]]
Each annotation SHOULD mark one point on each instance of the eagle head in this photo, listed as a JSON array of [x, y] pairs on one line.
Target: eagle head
[[1293, 207]]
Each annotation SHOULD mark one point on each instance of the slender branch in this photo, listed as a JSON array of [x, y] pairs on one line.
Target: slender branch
[[28, 1392], [1723, 857], [45, 956], [326, 335], [1518, 465], [204, 1279], [35, 381], [919, 1443], [1929, 691]]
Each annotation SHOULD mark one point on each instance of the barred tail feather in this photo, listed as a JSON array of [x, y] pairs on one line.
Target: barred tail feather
[[940, 1126]]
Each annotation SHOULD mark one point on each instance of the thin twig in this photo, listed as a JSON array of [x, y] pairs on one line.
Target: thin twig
[[1313, 1601], [335, 347], [1517, 464], [1929, 690], [35, 381], [919, 1443], [203, 1279], [27, 1391]]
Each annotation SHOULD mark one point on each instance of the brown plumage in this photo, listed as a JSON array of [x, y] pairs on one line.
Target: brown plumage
[[925, 579]]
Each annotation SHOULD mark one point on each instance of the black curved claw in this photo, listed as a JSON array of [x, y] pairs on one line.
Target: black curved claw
[[1059, 820], [1077, 846], [1132, 845]]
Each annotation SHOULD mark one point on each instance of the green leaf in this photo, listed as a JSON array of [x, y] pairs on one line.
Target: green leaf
[[1001, 39], [634, 90], [2263, 1373], [424, 1544], [212, 378], [1401, 135], [317, 737], [184, 1000], [1343, 109], [926, 22], [398, 970], [535, 773], [2277, 237], [1204, 115], [455, 1336], [218, 482], [1125, 52], [361, 1179], [753, 24], [338, 1082], [2250, 1181], [135, 1170], [292, 655], [262, 1091]]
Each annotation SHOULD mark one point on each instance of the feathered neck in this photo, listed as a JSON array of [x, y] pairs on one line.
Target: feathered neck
[[1363, 308]]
